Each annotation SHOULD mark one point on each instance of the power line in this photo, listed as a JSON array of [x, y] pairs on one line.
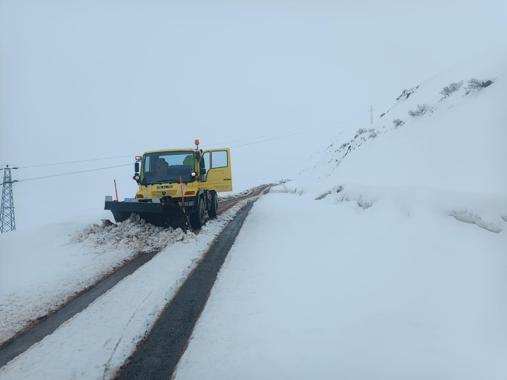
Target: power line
[[73, 172], [74, 161], [114, 166], [118, 166], [123, 156], [253, 141], [58, 163]]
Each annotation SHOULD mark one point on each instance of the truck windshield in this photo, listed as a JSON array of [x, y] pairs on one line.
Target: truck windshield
[[168, 167]]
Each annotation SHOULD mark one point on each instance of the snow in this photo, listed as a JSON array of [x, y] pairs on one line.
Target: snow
[[43, 267], [453, 157], [459, 145], [386, 259], [40, 268], [335, 290], [95, 342]]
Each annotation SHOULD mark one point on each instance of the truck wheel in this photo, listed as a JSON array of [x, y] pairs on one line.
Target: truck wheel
[[213, 205], [198, 215]]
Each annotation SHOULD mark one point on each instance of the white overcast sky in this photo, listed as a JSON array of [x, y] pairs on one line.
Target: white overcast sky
[[93, 78]]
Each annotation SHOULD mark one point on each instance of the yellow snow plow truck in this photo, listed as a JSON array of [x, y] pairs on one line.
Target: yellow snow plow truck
[[177, 187]]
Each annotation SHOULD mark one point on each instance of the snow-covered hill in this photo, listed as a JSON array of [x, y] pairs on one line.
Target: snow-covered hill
[[455, 141], [443, 142]]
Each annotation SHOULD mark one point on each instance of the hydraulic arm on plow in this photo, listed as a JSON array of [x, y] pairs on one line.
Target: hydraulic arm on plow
[[177, 187]]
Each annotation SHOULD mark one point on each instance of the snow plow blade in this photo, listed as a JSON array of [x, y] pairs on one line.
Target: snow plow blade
[[168, 214]]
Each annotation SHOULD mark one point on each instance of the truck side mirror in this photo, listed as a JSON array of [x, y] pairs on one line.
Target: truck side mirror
[[136, 167]]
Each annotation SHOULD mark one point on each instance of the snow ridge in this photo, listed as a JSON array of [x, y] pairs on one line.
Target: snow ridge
[[395, 114]]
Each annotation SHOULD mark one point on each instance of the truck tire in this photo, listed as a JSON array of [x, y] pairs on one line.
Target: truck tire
[[199, 214], [213, 205]]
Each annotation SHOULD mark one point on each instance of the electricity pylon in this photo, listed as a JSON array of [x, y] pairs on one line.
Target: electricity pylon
[[7, 216]]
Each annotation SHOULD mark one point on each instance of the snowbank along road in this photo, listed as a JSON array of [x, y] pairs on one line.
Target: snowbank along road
[[47, 324]]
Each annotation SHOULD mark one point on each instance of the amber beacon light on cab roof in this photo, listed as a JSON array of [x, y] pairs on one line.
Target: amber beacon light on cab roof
[[177, 187]]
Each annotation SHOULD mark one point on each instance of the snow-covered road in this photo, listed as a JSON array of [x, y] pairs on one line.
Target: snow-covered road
[[317, 289], [43, 268], [95, 342]]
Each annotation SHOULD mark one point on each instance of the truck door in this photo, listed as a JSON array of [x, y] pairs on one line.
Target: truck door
[[218, 169]]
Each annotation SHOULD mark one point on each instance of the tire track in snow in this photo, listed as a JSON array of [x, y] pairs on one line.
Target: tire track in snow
[[159, 353], [46, 325]]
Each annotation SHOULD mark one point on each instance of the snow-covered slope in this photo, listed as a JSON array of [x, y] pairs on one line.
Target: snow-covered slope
[[442, 143], [454, 142]]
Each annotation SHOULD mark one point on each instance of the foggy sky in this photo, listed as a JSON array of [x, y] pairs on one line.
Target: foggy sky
[[86, 79]]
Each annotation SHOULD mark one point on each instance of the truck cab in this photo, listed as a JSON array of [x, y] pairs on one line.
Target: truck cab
[[177, 185]]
